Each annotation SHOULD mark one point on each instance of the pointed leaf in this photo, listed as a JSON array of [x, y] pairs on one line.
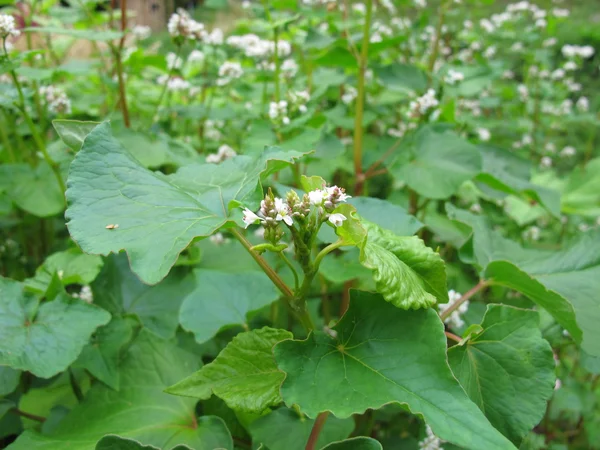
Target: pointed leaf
[[285, 429], [244, 374], [221, 299], [140, 410], [45, 342], [383, 354], [351, 232], [407, 273], [73, 132], [507, 370], [386, 215], [157, 215]]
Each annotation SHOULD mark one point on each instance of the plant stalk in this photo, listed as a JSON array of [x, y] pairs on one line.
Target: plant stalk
[[316, 430], [466, 296]]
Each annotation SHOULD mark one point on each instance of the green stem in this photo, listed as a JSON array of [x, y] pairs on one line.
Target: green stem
[[325, 252], [164, 89], [6, 142], [289, 264], [75, 386], [360, 101], [436, 41]]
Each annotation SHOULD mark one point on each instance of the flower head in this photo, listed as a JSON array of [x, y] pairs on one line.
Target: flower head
[[7, 26], [337, 219], [250, 218], [283, 211]]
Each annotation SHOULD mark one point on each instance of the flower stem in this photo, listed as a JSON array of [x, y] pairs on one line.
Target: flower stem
[[360, 101], [316, 430], [164, 89], [27, 415], [466, 296], [289, 264]]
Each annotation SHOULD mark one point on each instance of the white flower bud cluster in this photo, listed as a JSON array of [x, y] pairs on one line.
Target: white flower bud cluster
[[545, 163], [299, 99], [350, 93], [229, 71], [278, 210], [56, 99], [278, 112], [524, 142], [85, 294], [289, 68], [431, 441], [255, 47], [568, 152], [174, 84], [423, 104], [572, 51], [215, 37], [181, 24], [484, 134], [454, 320], [212, 129], [225, 152], [141, 32], [583, 104], [532, 233], [453, 77], [174, 62], [7, 26], [195, 57]]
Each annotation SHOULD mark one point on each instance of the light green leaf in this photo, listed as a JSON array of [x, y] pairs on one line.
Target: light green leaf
[[9, 380], [386, 215], [157, 215], [440, 163], [221, 299], [119, 291], [351, 232], [565, 282], [45, 338], [581, 193], [507, 370], [312, 183], [357, 443], [101, 357], [407, 273], [112, 442], [140, 410], [73, 266], [403, 77], [244, 374], [505, 172], [73, 132], [383, 354], [285, 429], [34, 190]]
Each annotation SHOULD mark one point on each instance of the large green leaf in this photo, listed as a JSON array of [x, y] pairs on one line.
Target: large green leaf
[[386, 215], [221, 299], [73, 266], [101, 357], [157, 215], [112, 442], [286, 429], [581, 193], [507, 370], [34, 190], [402, 77], [119, 291], [565, 282], [407, 273], [244, 374], [140, 410], [382, 354], [357, 443], [9, 380], [440, 163], [45, 338], [506, 172]]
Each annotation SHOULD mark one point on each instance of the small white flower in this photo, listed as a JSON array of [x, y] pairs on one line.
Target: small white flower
[[431, 441], [454, 320], [557, 384], [86, 294], [317, 197], [453, 77], [283, 211], [250, 218], [484, 134], [583, 104], [532, 233], [195, 56], [337, 219], [173, 61], [141, 32], [7, 26], [349, 95], [568, 151]]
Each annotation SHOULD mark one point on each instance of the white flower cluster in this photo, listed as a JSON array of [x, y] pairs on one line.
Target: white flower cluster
[[173, 83], [278, 112], [181, 24], [225, 152], [568, 152], [583, 104], [454, 320], [174, 62], [325, 200], [453, 77], [85, 294], [255, 47], [299, 99], [215, 37], [289, 68], [532, 233], [423, 104], [212, 129], [141, 32], [195, 56], [349, 94], [524, 142], [56, 99], [7, 26], [484, 134], [571, 51], [431, 441], [229, 71]]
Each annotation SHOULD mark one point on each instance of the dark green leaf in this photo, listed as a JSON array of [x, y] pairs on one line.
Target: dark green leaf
[[386, 215], [357, 443]]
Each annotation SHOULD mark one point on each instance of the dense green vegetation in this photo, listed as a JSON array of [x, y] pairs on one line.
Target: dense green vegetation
[[325, 225]]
